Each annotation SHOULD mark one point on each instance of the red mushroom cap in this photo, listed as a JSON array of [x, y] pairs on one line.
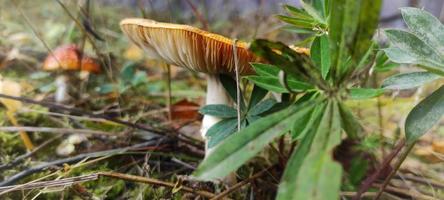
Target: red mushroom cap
[[67, 58]]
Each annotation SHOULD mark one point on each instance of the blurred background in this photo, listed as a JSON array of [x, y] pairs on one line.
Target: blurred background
[[134, 88]]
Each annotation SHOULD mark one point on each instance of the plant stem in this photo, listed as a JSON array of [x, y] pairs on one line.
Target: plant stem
[[141, 179], [367, 183], [398, 164], [168, 79], [23, 135], [240, 184], [238, 93]]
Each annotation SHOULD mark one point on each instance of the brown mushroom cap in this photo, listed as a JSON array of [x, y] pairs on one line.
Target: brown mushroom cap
[[188, 47], [67, 58]]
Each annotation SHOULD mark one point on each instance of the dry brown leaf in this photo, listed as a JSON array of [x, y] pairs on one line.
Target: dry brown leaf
[[185, 110]]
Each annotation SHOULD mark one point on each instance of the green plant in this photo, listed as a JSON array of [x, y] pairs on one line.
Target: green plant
[[341, 51], [248, 114], [424, 47], [129, 79]]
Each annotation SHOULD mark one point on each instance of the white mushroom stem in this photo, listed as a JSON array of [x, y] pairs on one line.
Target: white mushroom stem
[[61, 89], [216, 94]]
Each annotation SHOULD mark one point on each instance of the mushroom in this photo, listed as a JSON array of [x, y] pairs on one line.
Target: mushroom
[[64, 59], [194, 49]]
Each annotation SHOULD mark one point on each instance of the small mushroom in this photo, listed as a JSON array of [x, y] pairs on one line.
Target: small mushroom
[[194, 49], [65, 59]]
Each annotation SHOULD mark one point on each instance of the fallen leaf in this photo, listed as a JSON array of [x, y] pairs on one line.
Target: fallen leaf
[[185, 110]]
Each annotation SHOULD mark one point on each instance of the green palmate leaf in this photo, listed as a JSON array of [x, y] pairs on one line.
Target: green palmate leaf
[[425, 26], [316, 176], [252, 118], [383, 63], [262, 107], [218, 110], [256, 96], [231, 87], [367, 25], [298, 30], [409, 49], [320, 54], [297, 22], [425, 115], [298, 13], [268, 70], [305, 124], [287, 185], [291, 62], [349, 122], [273, 84], [350, 37], [265, 69], [343, 25], [366, 57], [408, 80], [240, 147], [365, 93], [220, 131], [315, 8]]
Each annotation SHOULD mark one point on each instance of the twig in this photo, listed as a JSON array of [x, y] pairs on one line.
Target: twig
[[29, 154], [406, 192], [240, 184], [189, 166], [367, 183], [238, 93], [73, 159], [79, 112], [380, 118], [154, 182], [54, 183], [424, 181], [169, 95], [53, 130], [352, 194], [393, 172], [198, 15]]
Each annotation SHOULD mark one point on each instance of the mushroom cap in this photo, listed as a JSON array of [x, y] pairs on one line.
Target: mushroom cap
[[67, 58], [188, 47]]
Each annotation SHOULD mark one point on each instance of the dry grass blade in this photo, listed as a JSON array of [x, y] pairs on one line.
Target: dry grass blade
[[77, 158], [141, 179], [54, 130], [55, 183]]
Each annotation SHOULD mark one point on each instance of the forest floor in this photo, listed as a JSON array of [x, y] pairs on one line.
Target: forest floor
[[125, 121]]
